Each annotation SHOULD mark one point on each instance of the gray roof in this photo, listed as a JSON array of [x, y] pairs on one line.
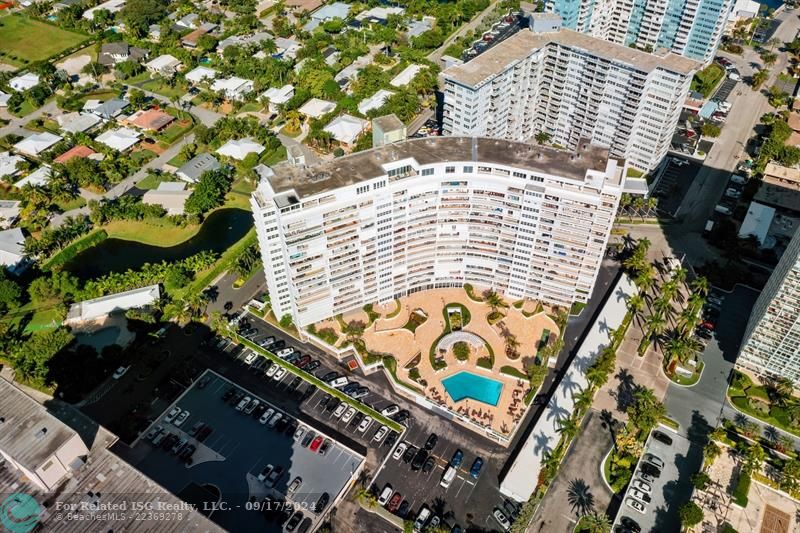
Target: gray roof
[[110, 108], [12, 241], [387, 123], [524, 43], [21, 435], [352, 169], [196, 166], [120, 49]]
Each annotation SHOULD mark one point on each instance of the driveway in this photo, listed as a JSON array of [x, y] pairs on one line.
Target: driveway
[[579, 477]]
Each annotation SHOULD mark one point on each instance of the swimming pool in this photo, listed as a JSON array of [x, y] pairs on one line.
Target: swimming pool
[[468, 385]]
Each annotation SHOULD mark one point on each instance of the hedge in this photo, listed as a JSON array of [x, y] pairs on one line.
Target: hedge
[[741, 490], [69, 252]]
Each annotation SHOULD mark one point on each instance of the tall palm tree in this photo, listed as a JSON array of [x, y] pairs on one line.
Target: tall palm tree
[[636, 304], [655, 325], [580, 497], [596, 522], [494, 300], [568, 427], [638, 204], [646, 278], [663, 306], [583, 399], [679, 274]]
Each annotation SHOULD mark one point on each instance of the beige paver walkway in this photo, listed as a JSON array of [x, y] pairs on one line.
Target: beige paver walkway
[[388, 336]]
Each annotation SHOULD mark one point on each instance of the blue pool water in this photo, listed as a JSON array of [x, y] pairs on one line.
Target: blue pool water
[[468, 385]]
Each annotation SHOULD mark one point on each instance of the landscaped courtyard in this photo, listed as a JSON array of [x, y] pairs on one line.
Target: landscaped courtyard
[[475, 354]]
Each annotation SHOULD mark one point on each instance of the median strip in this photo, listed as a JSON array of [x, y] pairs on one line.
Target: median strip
[[305, 376]]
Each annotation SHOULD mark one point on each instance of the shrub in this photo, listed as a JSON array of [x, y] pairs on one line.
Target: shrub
[[286, 321], [414, 374], [741, 490], [461, 350], [691, 514], [485, 362], [700, 480]]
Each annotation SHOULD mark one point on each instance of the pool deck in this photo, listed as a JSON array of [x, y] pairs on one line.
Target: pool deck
[[387, 335]]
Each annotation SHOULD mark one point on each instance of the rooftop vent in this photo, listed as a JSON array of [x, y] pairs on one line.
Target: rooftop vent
[[41, 433]]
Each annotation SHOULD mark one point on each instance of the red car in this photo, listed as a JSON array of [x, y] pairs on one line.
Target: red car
[[315, 444], [708, 325], [394, 503]]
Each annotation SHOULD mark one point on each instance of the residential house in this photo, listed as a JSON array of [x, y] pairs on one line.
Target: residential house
[[9, 212], [243, 40], [387, 129], [97, 308], [375, 101], [233, 88], [187, 22], [150, 119], [114, 53], [346, 128], [405, 77], [77, 122], [337, 10], [112, 6], [193, 169], [37, 143], [200, 74], [170, 195], [12, 253], [80, 151], [164, 65], [278, 96], [107, 110], [190, 39], [303, 5], [8, 164], [24, 82], [379, 14], [154, 32], [240, 148], [4, 99], [38, 178], [418, 27], [120, 139], [330, 55], [287, 48], [316, 108]]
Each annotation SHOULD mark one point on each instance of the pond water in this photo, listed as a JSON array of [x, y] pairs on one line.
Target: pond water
[[99, 339], [219, 231]]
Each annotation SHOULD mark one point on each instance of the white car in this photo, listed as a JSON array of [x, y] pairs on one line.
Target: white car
[[279, 374], [118, 373], [657, 461], [286, 352], [298, 434], [380, 434], [181, 418], [391, 410], [295, 485], [271, 371], [172, 414], [252, 356], [636, 505], [340, 409], [642, 485], [400, 450], [386, 493], [266, 416], [501, 518], [242, 404], [348, 414], [641, 496], [365, 424], [275, 418]]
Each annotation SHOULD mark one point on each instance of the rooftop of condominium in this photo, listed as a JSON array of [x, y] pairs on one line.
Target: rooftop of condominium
[[524, 43], [352, 169]]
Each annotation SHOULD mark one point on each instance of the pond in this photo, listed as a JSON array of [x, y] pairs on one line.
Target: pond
[[220, 230]]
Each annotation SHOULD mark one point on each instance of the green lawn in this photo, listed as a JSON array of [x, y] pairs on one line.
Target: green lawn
[[152, 181], [24, 109], [157, 85], [707, 79], [75, 203], [24, 40]]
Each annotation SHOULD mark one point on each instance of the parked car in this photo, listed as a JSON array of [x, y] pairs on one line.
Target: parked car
[[639, 495], [153, 433], [386, 493], [243, 403], [316, 443], [172, 415], [266, 416], [275, 476], [181, 418], [313, 365], [430, 444], [642, 485], [274, 420], [251, 407], [630, 524], [662, 437], [401, 417], [250, 358], [340, 409], [121, 371], [258, 411], [325, 447], [279, 374], [419, 459], [400, 450], [350, 387], [359, 393], [284, 353], [270, 372], [394, 503], [307, 439], [299, 433], [422, 518], [501, 519], [411, 451], [265, 473], [402, 511], [653, 459], [391, 439], [294, 486], [365, 424], [636, 505], [429, 464], [457, 459], [294, 521], [303, 361], [228, 394], [382, 431], [391, 410], [475, 469], [649, 470], [348, 414], [329, 376]]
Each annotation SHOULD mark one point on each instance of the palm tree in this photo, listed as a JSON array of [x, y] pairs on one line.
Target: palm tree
[[646, 278], [542, 137], [783, 390], [663, 305], [596, 522], [652, 203], [635, 305], [679, 274], [655, 325], [759, 78], [695, 303], [583, 399], [638, 204], [293, 121], [494, 300], [699, 286], [772, 43], [512, 344], [568, 427], [712, 451]]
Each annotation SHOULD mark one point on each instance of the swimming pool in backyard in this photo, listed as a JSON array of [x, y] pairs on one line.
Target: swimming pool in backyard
[[468, 385]]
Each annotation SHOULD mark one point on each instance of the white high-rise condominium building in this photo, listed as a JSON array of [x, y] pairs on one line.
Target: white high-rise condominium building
[[436, 212], [772, 339], [570, 86], [692, 28]]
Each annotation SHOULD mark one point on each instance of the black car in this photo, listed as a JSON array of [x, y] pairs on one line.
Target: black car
[[662, 437], [350, 387], [277, 345], [258, 411], [650, 470], [429, 464], [281, 424], [291, 427], [357, 419], [402, 416], [329, 376], [304, 526], [630, 524], [236, 398], [228, 394], [322, 502], [390, 439], [294, 357], [333, 404], [430, 444], [512, 511], [313, 365], [402, 511], [294, 521], [325, 400], [308, 392], [410, 452], [419, 459]]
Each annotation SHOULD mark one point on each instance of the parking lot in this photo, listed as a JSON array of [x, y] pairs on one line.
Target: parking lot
[[226, 465], [674, 183], [666, 492], [724, 90]]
